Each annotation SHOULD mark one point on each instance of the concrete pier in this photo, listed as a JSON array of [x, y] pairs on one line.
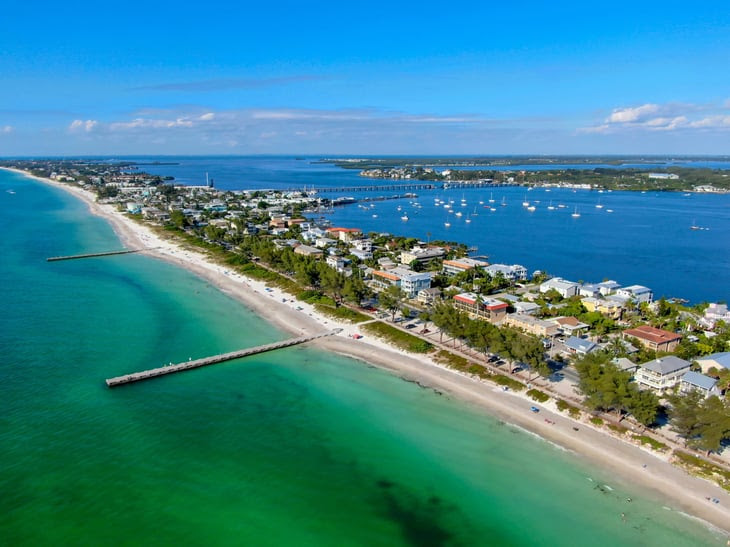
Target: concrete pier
[[197, 363], [94, 255]]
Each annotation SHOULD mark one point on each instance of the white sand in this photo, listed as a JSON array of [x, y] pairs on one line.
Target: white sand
[[631, 464]]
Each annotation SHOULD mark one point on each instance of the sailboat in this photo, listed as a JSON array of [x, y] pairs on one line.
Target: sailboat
[[525, 203], [599, 205], [575, 213], [475, 214], [491, 197], [468, 220], [504, 203], [550, 207]]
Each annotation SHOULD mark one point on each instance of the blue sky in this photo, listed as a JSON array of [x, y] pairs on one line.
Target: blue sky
[[365, 78]]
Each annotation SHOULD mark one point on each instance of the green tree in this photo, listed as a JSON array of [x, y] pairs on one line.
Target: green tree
[[391, 299]]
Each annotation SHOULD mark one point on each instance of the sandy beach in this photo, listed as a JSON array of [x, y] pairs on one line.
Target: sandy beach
[[630, 464]]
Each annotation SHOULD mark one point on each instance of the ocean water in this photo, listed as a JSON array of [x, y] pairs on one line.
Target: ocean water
[[646, 240], [297, 447]]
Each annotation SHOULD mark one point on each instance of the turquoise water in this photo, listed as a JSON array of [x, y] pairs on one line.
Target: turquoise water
[[297, 447]]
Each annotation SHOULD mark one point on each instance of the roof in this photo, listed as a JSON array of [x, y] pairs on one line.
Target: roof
[[569, 321], [722, 359], [636, 289], [579, 344], [349, 230], [623, 363], [699, 380], [666, 365], [386, 275], [487, 303], [652, 334]]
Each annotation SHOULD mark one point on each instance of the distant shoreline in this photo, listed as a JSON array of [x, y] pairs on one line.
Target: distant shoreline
[[637, 467]]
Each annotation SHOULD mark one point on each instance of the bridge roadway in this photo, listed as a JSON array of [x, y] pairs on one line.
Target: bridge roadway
[[197, 363], [407, 186]]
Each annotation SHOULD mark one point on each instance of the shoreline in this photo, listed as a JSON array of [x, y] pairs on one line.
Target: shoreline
[[611, 454]]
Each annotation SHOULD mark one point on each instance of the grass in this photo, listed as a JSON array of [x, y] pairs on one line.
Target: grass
[[398, 338], [537, 395], [654, 444], [704, 469], [596, 420], [564, 406], [342, 313], [617, 429], [461, 364]]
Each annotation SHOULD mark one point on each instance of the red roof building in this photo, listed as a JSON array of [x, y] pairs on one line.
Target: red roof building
[[653, 338]]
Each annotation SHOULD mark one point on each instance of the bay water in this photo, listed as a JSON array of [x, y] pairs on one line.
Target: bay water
[[646, 239], [296, 447]]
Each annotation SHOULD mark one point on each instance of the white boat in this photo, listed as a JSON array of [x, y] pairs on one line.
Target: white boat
[[525, 203], [491, 198], [481, 202], [599, 205], [550, 207], [504, 203], [492, 209], [575, 213], [399, 207], [404, 217], [447, 224], [531, 208], [609, 210], [561, 206], [468, 220], [375, 216], [458, 213]]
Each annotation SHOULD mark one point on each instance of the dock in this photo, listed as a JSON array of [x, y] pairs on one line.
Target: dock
[[220, 358], [94, 255]]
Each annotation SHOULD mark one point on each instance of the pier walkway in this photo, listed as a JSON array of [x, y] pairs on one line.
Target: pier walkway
[[196, 363], [94, 255]]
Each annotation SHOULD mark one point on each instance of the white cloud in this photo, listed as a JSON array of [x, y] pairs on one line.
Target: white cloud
[[82, 125], [663, 117], [5, 129], [626, 115]]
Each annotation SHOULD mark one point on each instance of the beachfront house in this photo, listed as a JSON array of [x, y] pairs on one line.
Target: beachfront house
[[694, 381], [663, 373], [564, 288], [481, 307], [718, 361], [423, 255], [637, 293], [514, 272], [345, 234], [653, 338], [459, 265], [410, 282], [607, 287], [715, 313], [609, 308]]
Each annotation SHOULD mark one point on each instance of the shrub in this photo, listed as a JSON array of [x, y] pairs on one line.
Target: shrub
[[537, 395], [596, 420]]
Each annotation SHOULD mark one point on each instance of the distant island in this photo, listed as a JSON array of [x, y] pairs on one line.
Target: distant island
[[672, 178]]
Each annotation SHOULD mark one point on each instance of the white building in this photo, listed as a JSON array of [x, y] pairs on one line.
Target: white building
[[515, 272], [637, 293], [694, 381], [663, 373], [566, 289]]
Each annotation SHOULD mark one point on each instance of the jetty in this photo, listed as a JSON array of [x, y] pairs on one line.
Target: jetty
[[220, 358], [95, 255]]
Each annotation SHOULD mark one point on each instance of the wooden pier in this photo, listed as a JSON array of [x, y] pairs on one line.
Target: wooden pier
[[197, 363], [94, 255]]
